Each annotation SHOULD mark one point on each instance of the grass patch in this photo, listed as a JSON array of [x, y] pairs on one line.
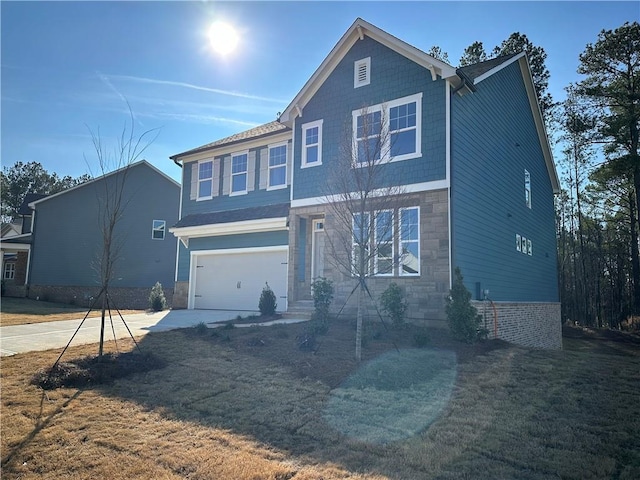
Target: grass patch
[[247, 403], [21, 311]]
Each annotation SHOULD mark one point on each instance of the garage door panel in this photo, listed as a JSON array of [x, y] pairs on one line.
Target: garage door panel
[[235, 281]]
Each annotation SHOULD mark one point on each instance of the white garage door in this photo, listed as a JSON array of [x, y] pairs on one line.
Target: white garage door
[[234, 281]]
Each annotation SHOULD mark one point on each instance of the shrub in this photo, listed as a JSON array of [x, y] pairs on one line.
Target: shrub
[[394, 304], [421, 337], [201, 329], [267, 304], [463, 318], [157, 300], [322, 297]]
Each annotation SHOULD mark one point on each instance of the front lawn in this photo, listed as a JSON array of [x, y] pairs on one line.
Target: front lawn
[[247, 403], [20, 311]]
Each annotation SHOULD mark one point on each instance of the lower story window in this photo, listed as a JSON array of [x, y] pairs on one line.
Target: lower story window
[[9, 271], [410, 241]]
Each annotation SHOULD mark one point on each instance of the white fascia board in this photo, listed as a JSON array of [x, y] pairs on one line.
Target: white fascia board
[[231, 228], [229, 251], [351, 36], [539, 122], [496, 69], [405, 189], [18, 247], [228, 149]]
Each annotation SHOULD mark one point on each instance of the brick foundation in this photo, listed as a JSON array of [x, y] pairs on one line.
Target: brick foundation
[[121, 298], [535, 325]]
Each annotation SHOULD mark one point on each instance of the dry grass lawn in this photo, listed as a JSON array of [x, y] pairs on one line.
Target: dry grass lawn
[[246, 403], [20, 311]]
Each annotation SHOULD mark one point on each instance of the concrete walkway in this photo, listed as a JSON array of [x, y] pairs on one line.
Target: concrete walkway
[[44, 336]]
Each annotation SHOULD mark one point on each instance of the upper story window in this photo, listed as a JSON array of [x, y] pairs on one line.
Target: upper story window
[[205, 179], [239, 165], [527, 188], [410, 241], [389, 132], [158, 229], [277, 166], [362, 72], [369, 138], [312, 144]]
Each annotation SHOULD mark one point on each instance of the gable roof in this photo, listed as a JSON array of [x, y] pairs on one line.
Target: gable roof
[[29, 198], [33, 204], [472, 72], [358, 30], [483, 70], [260, 131]]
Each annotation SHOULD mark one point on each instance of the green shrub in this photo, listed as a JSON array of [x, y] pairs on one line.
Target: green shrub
[[322, 296], [201, 329], [463, 318], [267, 304], [394, 304], [157, 300]]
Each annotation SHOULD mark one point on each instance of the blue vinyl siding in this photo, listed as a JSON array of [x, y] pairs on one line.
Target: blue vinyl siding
[[392, 76], [254, 198], [493, 141], [249, 240], [68, 233]]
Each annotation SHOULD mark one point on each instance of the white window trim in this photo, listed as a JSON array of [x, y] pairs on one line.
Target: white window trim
[[163, 229], [401, 272], [354, 244], [385, 109], [231, 174], [208, 197], [305, 127], [269, 167], [527, 188], [9, 268], [366, 62], [391, 272]]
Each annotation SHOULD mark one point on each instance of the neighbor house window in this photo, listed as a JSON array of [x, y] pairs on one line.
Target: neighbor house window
[[159, 227], [362, 72], [312, 144], [410, 241], [239, 165], [384, 243], [360, 243], [278, 166], [205, 179], [527, 188], [390, 131], [9, 271]]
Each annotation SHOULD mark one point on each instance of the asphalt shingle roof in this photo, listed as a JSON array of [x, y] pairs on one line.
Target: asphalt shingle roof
[[475, 70], [239, 215], [265, 130]]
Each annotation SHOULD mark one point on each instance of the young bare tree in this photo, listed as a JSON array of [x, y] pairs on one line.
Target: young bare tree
[[362, 202], [113, 199]]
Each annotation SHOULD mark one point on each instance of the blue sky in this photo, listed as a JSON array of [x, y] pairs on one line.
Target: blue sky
[[68, 67]]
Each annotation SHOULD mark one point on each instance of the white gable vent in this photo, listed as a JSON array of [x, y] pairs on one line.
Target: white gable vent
[[362, 72]]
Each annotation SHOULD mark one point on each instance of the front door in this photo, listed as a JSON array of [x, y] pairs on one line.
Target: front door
[[317, 249]]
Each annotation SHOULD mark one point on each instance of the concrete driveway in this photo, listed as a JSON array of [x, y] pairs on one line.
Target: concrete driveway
[[44, 336]]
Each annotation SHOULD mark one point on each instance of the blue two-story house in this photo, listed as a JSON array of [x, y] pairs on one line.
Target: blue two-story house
[[475, 175]]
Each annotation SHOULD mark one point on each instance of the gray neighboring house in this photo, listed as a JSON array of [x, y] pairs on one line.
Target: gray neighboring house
[[66, 239]]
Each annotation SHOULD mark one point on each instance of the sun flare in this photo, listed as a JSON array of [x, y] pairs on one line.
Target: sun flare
[[223, 38]]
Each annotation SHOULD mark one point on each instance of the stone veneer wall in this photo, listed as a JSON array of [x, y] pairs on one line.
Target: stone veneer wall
[[180, 295], [121, 298], [535, 325], [425, 293]]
